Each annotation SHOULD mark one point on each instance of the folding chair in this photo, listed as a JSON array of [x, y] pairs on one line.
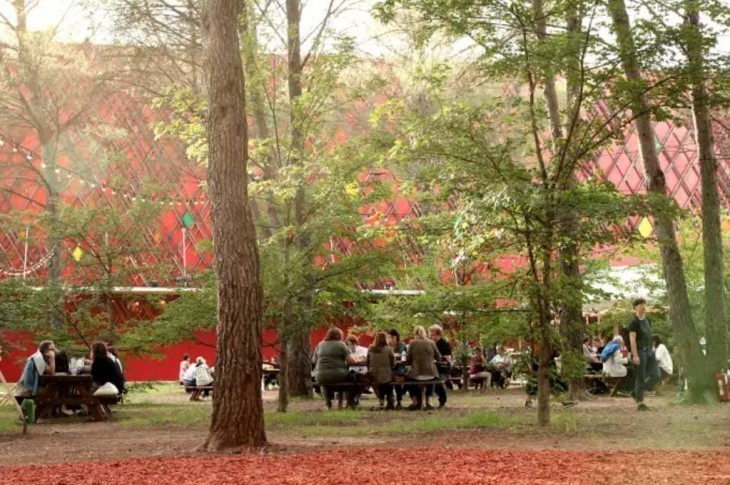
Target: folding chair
[[9, 396]]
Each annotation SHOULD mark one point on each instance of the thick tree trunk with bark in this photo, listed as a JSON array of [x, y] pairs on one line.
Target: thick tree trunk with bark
[[680, 314], [715, 322], [238, 417]]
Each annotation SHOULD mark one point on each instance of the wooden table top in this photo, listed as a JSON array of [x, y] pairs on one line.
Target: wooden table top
[[66, 378]]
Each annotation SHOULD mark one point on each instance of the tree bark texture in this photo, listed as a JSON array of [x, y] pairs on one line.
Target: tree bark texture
[[299, 371], [543, 383], [238, 417], [715, 312], [680, 314], [283, 397]]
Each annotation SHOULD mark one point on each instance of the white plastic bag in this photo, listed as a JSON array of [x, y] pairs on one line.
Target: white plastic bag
[[107, 389]]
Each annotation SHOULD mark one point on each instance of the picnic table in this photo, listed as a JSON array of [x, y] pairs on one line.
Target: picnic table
[[70, 390]]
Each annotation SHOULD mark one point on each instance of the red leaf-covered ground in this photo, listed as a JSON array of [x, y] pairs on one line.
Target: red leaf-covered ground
[[420, 466]]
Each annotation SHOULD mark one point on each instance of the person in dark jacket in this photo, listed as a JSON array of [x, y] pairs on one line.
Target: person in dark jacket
[[104, 369]]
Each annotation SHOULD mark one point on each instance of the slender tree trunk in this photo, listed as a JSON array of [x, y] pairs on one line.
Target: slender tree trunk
[[715, 313], [283, 398], [299, 375], [56, 299], [572, 316], [238, 417], [680, 314], [543, 380]]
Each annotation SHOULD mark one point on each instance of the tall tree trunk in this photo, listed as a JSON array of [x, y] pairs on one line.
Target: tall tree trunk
[[572, 319], [283, 398], [56, 299], [238, 415], [255, 92], [299, 374], [715, 323], [680, 314], [543, 379], [572, 324]]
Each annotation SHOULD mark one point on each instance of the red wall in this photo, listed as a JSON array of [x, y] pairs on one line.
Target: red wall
[[145, 368]]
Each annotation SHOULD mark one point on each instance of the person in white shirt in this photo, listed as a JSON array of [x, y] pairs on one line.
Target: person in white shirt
[[664, 360], [614, 364], [359, 353], [500, 368], [184, 366]]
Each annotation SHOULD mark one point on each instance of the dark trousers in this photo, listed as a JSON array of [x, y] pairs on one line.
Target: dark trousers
[[646, 374], [399, 392], [440, 389], [385, 392], [415, 392]]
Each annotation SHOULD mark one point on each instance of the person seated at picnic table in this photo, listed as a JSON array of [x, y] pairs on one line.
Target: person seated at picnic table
[[62, 363], [331, 359], [184, 366], [614, 363], [663, 359], [422, 357], [103, 368], [43, 361], [478, 372], [114, 356], [400, 349], [380, 361], [592, 361], [203, 375], [500, 367], [358, 352]]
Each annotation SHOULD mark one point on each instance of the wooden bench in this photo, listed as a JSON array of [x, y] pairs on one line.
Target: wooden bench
[[197, 391], [611, 382], [349, 386], [72, 390]]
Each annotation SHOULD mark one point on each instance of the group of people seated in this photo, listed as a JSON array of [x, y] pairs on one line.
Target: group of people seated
[[491, 368], [103, 364], [196, 374], [425, 358]]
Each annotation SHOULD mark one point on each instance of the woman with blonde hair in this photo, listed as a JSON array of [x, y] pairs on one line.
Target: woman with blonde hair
[[422, 357], [380, 360]]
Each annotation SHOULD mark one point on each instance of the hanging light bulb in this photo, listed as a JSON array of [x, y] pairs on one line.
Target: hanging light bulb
[[2, 142]]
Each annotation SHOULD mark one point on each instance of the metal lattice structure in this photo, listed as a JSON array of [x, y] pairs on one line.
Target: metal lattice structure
[[92, 178], [109, 173]]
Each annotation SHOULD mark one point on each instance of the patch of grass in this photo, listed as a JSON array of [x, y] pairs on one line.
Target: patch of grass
[[441, 421], [565, 422], [9, 419], [296, 419], [156, 415]]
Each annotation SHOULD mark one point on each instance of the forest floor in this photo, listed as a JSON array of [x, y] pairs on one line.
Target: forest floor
[[481, 437]]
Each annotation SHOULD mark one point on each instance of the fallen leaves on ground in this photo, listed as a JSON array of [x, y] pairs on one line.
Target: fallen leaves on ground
[[430, 465]]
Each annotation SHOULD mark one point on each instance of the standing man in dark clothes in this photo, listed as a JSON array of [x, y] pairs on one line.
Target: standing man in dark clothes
[[436, 334], [642, 355]]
